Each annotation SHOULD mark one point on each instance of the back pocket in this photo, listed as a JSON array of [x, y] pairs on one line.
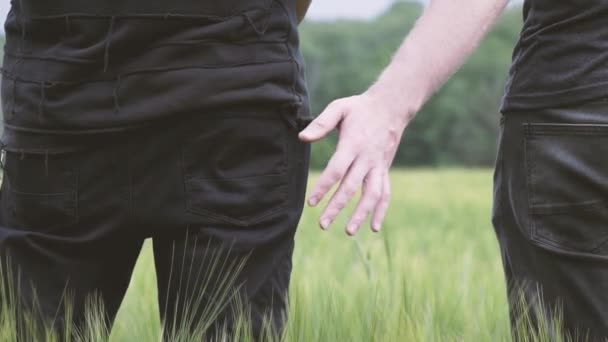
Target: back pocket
[[236, 168], [567, 176], [39, 193]]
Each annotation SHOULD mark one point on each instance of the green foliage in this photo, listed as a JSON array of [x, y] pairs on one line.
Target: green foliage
[[457, 127]]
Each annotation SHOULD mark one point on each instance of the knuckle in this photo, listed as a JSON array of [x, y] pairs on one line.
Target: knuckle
[[320, 124], [335, 175], [371, 163], [350, 190], [324, 185], [329, 214], [360, 214], [341, 202], [337, 104], [333, 209], [375, 196], [320, 189]]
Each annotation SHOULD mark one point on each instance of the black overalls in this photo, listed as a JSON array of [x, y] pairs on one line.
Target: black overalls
[[171, 120]]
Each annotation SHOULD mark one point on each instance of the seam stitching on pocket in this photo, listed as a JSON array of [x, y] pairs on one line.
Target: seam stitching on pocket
[[69, 197], [560, 245], [72, 209], [567, 129], [600, 245], [590, 206], [569, 134], [531, 234], [500, 194], [76, 195], [40, 194], [530, 132], [240, 222], [191, 177]]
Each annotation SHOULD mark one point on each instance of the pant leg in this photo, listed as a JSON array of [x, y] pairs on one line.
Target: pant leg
[[243, 183], [204, 285], [61, 232], [551, 218]]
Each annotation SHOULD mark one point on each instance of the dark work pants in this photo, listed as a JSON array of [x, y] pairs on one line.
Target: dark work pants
[[551, 218], [220, 195]]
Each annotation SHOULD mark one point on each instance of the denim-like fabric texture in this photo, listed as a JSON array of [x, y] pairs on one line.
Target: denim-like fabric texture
[[224, 183], [75, 68], [561, 57], [551, 213]]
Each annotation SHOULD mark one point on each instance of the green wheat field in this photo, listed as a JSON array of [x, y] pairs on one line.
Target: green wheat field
[[433, 274]]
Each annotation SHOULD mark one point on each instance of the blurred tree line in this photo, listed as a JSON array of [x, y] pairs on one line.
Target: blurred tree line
[[457, 127]]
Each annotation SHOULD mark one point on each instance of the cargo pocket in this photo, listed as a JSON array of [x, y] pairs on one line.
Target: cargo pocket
[[567, 180], [39, 192], [235, 169]]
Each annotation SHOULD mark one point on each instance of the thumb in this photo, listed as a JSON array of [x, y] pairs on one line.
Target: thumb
[[323, 124]]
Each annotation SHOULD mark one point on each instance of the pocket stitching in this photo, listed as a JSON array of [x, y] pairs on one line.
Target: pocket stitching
[[533, 130], [540, 129], [189, 176], [72, 216], [531, 233], [240, 222], [71, 185]]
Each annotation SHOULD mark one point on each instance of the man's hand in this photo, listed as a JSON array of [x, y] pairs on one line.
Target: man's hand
[[371, 124], [369, 136]]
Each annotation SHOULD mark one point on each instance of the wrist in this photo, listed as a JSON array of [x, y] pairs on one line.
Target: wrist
[[401, 102]]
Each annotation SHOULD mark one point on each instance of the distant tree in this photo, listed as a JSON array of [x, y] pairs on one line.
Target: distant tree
[[457, 127]]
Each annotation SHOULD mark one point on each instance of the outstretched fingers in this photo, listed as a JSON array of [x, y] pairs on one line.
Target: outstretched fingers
[[383, 204], [336, 169], [349, 186], [370, 197]]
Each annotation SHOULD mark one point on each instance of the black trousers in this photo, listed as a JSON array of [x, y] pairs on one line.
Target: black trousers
[[551, 218], [220, 195]]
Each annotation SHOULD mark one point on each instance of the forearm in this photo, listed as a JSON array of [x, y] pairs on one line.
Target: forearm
[[444, 36], [302, 8]]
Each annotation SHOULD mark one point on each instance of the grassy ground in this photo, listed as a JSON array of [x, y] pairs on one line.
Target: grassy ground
[[434, 274]]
